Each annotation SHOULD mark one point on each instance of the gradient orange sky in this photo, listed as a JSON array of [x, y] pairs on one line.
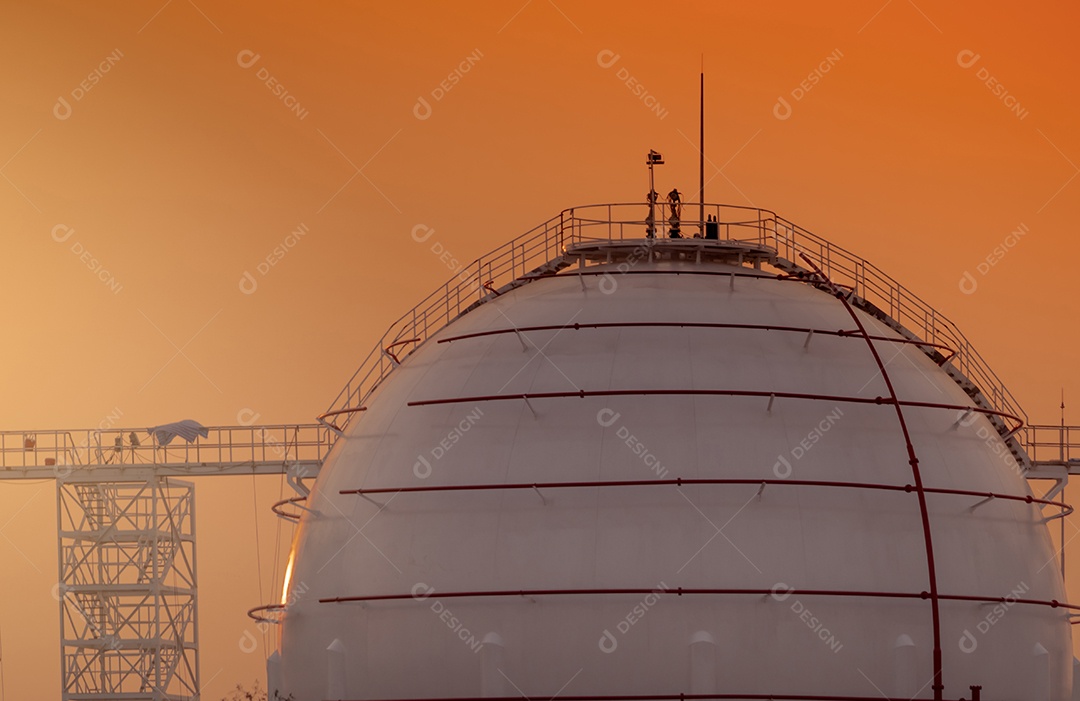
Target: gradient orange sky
[[180, 170]]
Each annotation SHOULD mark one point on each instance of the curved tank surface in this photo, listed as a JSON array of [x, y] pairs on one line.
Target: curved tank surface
[[673, 468]]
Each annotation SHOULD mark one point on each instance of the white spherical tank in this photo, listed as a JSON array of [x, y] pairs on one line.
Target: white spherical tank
[[670, 474]]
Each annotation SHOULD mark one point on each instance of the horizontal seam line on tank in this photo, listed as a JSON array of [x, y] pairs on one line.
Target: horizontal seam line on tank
[[692, 591], [720, 392], [843, 333], [679, 482]]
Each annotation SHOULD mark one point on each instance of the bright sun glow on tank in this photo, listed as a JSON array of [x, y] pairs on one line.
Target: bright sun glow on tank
[[288, 577]]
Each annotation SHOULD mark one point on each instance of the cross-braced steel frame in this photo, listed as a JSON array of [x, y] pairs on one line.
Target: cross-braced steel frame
[[127, 590]]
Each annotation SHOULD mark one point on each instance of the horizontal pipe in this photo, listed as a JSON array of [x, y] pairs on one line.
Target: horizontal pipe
[[675, 697], [718, 392], [278, 507], [389, 349], [843, 333], [321, 418], [681, 591], [679, 482], [255, 614]]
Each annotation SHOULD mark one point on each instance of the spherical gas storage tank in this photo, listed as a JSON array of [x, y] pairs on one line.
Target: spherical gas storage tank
[[673, 469]]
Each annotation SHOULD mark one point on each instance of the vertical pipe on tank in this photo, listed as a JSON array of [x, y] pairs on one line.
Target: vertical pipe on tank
[[492, 680], [702, 663], [335, 670], [905, 667], [1075, 680], [1040, 673]]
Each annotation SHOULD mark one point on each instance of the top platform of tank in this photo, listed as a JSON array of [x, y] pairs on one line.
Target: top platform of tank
[[697, 250], [611, 233]]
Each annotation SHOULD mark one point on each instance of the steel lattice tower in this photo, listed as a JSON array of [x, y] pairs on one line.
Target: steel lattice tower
[[127, 590]]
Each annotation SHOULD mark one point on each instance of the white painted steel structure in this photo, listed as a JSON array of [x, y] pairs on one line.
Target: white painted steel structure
[[127, 590], [598, 466], [127, 582]]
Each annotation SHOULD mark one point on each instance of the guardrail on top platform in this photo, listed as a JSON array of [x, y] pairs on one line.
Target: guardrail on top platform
[[541, 250]]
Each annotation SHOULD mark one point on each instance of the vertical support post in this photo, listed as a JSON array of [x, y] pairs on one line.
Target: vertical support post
[[492, 680], [652, 159], [906, 680], [335, 670], [1040, 666], [702, 663]]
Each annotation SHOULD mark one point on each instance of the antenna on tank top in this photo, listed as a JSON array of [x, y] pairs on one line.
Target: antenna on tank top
[[701, 152]]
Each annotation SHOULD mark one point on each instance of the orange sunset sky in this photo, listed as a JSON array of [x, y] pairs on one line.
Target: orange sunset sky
[[146, 135]]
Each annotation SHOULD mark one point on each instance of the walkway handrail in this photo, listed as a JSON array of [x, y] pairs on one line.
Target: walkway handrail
[[542, 250], [1052, 444], [513, 260], [117, 447], [871, 284]]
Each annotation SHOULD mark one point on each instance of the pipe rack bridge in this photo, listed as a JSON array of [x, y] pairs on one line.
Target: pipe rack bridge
[[127, 580]]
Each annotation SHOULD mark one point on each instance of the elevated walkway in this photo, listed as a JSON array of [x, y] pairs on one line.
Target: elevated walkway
[[119, 454], [126, 539]]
